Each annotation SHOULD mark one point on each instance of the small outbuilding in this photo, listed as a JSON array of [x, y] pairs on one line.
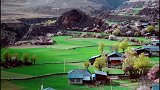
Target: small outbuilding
[[92, 59], [112, 37], [79, 76], [100, 77]]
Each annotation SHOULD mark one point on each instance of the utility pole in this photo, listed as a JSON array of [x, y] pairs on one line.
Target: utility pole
[[64, 66]]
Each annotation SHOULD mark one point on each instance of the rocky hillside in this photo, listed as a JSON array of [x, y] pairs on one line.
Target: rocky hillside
[[152, 12], [77, 18], [71, 20], [11, 32], [46, 8]]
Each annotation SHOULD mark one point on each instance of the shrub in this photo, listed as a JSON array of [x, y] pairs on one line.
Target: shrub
[[116, 32], [84, 35], [137, 34], [6, 56], [25, 57], [98, 35], [153, 74], [150, 29]]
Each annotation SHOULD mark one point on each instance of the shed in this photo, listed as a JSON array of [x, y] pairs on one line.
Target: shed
[[79, 76], [92, 59], [100, 76]]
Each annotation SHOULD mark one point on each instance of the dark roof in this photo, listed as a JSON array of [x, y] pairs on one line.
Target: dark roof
[[117, 53], [100, 73], [93, 57], [152, 48], [78, 73], [141, 48], [154, 36], [49, 88]]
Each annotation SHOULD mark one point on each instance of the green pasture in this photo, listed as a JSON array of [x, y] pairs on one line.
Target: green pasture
[[42, 69], [59, 82]]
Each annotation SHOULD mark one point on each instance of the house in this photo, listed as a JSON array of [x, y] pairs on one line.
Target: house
[[154, 37], [112, 37], [142, 50], [154, 50], [100, 77], [155, 42], [145, 24], [114, 59], [79, 76], [155, 87], [92, 59], [148, 50], [147, 35]]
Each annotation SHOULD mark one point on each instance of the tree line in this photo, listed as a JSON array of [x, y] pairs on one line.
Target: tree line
[[9, 60]]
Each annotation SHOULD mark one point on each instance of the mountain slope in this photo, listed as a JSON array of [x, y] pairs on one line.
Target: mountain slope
[[30, 8]]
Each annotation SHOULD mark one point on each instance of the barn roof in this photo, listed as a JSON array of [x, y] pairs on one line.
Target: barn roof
[[100, 72], [117, 53], [79, 73], [152, 48], [49, 88]]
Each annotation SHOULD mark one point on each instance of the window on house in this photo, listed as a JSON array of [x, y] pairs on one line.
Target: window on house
[[78, 80], [72, 80]]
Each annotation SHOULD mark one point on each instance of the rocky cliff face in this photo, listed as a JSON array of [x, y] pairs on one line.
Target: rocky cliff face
[[77, 18], [11, 32], [151, 12]]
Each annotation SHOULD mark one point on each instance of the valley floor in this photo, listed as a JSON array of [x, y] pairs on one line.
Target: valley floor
[[51, 61]]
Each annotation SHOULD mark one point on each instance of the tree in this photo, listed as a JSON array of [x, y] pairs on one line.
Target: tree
[[98, 35], [25, 57], [101, 47], [114, 47], [128, 63], [136, 34], [86, 64], [16, 56], [6, 56], [100, 63], [33, 59], [142, 64], [153, 73], [123, 45], [150, 29], [116, 32], [130, 53]]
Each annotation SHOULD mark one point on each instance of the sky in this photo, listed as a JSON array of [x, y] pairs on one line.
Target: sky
[[140, 0]]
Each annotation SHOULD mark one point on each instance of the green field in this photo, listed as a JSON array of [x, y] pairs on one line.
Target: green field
[[68, 49]]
